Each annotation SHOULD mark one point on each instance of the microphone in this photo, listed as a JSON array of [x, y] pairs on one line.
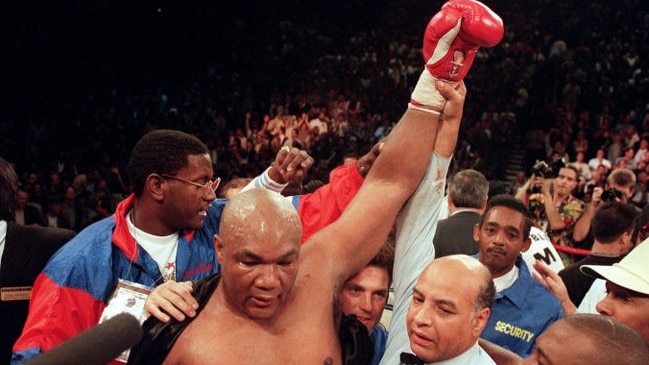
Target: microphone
[[98, 345]]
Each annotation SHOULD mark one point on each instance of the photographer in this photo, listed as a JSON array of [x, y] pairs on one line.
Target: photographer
[[534, 185], [620, 184], [548, 195]]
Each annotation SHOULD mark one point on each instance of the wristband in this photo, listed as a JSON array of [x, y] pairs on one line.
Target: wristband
[[423, 109]]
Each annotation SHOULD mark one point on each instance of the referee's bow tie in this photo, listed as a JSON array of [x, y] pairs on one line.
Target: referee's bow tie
[[410, 359]]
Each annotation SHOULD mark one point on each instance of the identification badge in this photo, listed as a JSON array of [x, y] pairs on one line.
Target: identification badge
[[9, 294], [128, 297]]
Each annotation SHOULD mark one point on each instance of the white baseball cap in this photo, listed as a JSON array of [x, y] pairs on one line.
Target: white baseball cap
[[632, 272]]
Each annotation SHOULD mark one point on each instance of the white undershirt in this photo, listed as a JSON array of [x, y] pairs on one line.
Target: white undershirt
[[507, 280], [163, 249]]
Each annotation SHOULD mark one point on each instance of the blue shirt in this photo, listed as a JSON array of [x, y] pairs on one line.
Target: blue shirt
[[521, 313], [379, 337]]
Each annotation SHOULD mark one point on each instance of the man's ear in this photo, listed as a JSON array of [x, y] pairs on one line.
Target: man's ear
[[153, 185], [218, 246], [476, 232], [480, 321], [625, 243]]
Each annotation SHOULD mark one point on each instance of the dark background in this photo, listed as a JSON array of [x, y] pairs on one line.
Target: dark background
[[55, 50], [78, 70]]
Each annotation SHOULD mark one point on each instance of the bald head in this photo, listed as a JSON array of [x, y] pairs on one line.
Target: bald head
[[258, 248], [617, 343], [259, 211], [446, 315], [589, 339], [465, 267], [461, 263]]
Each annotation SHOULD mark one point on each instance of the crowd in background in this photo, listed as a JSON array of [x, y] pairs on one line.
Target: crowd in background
[[567, 78]]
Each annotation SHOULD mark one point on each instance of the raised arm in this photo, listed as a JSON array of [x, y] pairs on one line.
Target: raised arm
[[416, 226], [582, 226], [451, 41], [290, 165], [356, 236]]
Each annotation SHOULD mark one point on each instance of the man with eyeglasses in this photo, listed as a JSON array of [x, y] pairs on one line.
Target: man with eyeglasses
[[163, 231]]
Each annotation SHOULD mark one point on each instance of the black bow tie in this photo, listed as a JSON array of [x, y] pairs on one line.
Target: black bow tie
[[410, 359]]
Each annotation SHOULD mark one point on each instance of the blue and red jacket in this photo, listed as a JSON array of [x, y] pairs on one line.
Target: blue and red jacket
[[70, 294]]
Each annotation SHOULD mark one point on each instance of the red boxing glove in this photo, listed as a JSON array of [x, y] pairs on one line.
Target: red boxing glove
[[454, 35], [451, 40]]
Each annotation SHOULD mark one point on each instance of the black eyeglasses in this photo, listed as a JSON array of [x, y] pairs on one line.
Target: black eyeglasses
[[208, 187]]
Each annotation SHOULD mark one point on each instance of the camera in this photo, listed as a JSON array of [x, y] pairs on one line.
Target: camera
[[542, 169], [611, 194]]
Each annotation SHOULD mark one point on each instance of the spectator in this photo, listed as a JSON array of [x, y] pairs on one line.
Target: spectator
[[597, 179], [612, 227], [599, 159], [641, 153], [619, 184], [55, 185], [132, 105], [274, 125], [641, 190], [24, 251], [292, 140], [319, 123], [555, 209], [518, 182], [54, 216], [467, 198], [615, 147], [580, 143], [626, 159], [631, 136], [69, 206], [582, 168], [26, 213]]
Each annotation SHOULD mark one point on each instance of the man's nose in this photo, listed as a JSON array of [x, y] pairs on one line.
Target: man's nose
[[366, 302], [604, 306], [267, 278]]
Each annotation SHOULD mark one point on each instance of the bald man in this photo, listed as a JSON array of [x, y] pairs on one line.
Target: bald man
[[589, 339], [446, 316]]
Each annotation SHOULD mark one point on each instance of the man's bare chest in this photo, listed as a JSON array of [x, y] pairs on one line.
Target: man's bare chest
[[225, 340]]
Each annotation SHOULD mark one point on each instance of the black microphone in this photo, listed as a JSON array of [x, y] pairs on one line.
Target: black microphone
[[98, 345]]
